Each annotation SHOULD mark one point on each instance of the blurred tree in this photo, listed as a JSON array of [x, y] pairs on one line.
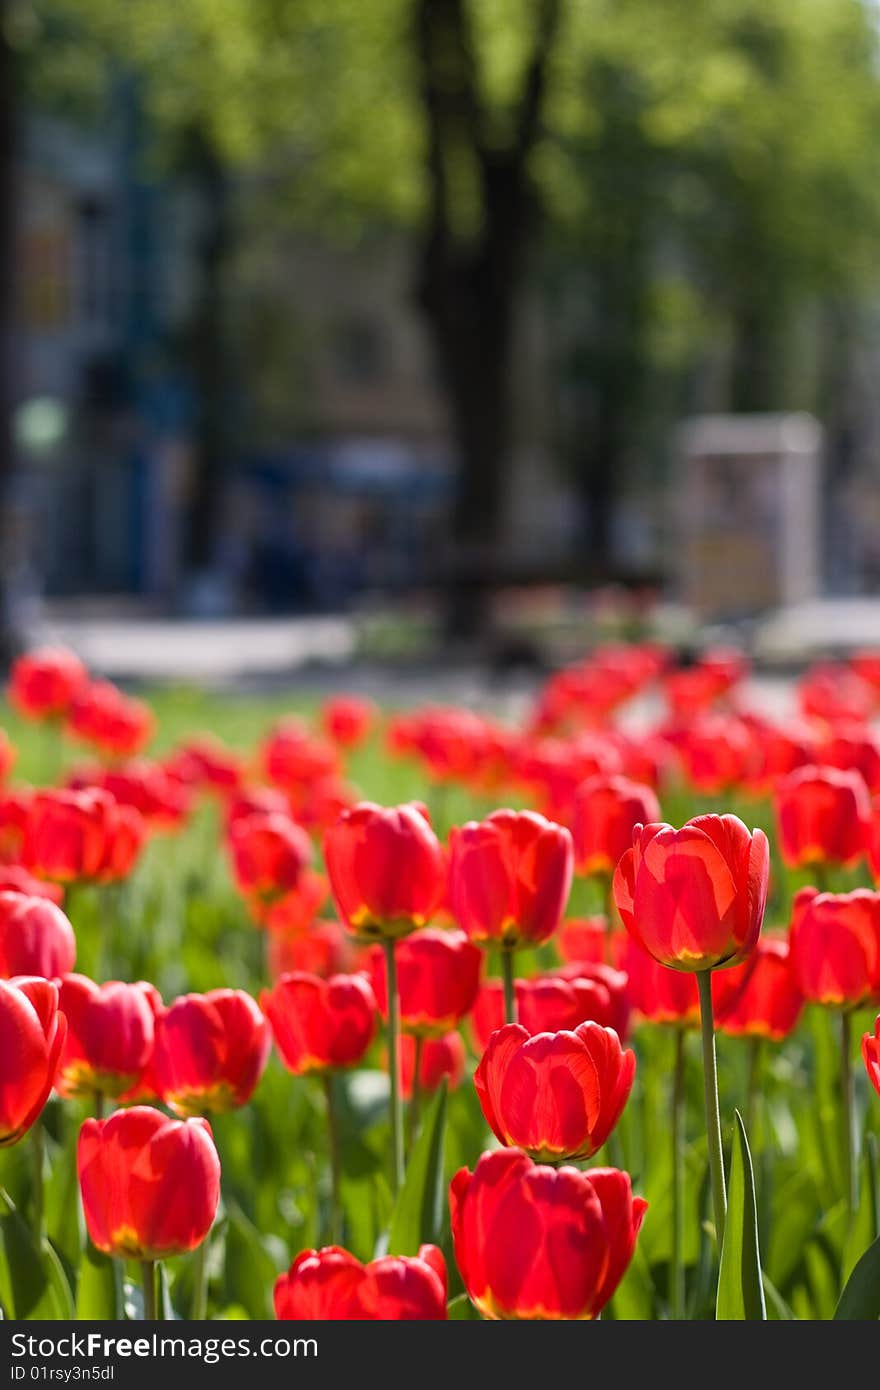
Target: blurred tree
[[701, 174]]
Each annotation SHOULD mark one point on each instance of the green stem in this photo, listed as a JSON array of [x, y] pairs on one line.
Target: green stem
[[848, 1116], [710, 1094], [148, 1284], [99, 1105], [677, 1284], [335, 1223], [415, 1104], [753, 1089], [37, 1198], [394, 1066], [507, 974], [200, 1282]]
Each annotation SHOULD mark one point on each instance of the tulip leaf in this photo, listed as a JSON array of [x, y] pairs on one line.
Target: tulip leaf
[[32, 1281], [249, 1270], [865, 1225], [418, 1212], [740, 1287], [99, 1287], [860, 1300], [461, 1309]]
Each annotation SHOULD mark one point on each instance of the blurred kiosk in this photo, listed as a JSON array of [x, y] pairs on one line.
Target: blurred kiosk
[[748, 504]]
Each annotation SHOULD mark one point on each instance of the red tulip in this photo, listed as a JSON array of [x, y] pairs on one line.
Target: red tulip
[[320, 1024], [835, 946], [584, 938], [125, 834], [65, 838], [441, 1058], [118, 725], [150, 1185], [658, 994], [331, 1285], [35, 937], [321, 949], [7, 755], [15, 879], [874, 841], [776, 752], [293, 757], [146, 786], [347, 719], [210, 1051], [871, 1054], [110, 1035], [43, 682], [542, 1243], [854, 748], [386, 867], [694, 898], [605, 811], [556, 1095], [438, 976], [31, 1037], [834, 693], [760, 998], [714, 752], [269, 855], [206, 763], [296, 911], [823, 815], [509, 877], [548, 1004], [612, 1005], [15, 810]]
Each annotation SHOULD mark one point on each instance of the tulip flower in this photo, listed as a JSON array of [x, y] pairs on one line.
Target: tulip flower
[[270, 852], [386, 868], [584, 938], [606, 809], [760, 998], [322, 949], [694, 898], [150, 1187], [118, 725], [835, 951], [331, 1285], [871, 1055], [42, 683], [32, 1034], [210, 1051], [548, 1004], [320, 1025], [15, 879], [431, 1060], [15, 808], [556, 1095], [874, 841], [509, 880], [533, 1242], [35, 937], [65, 838], [438, 974], [387, 874], [611, 987], [347, 719], [823, 815], [205, 763], [657, 993], [110, 1035], [835, 947], [853, 747]]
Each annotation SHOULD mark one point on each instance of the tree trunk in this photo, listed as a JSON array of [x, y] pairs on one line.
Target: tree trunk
[[8, 147], [470, 274]]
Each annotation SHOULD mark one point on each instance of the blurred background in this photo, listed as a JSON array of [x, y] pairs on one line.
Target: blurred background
[[335, 329]]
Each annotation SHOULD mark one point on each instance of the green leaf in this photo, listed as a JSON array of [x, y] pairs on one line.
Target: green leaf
[[740, 1288], [461, 1309], [865, 1225], [250, 1270], [99, 1287], [777, 1308], [860, 1300], [32, 1280], [418, 1211]]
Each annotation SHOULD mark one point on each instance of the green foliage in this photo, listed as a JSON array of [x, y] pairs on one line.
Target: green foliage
[[740, 1286]]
